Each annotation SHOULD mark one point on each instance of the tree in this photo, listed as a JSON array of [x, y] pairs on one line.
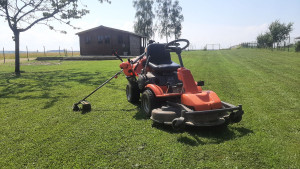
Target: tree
[[144, 15], [264, 40], [169, 18], [176, 19], [163, 12], [280, 31], [22, 15]]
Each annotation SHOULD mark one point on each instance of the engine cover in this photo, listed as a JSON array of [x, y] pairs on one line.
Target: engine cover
[[206, 100]]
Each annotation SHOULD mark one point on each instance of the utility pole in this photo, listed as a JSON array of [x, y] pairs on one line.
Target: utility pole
[[3, 55], [27, 53], [44, 51]]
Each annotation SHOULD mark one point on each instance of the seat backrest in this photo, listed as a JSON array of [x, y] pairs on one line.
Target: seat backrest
[[158, 54]]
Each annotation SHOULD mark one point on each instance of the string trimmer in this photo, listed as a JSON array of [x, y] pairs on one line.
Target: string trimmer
[[86, 106]]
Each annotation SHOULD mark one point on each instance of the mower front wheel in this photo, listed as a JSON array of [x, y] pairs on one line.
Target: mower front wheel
[[148, 102], [132, 92]]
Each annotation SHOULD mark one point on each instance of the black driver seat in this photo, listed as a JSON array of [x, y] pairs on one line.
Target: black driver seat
[[160, 58]]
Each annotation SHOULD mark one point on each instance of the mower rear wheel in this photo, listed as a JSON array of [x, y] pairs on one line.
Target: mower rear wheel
[[148, 102], [132, 92]]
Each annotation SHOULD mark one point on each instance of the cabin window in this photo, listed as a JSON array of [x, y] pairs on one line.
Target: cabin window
[[100, 39], [120, 39], [107, 39], [87, 39]]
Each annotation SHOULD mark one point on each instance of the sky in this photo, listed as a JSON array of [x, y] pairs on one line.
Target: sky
[[224, 22]]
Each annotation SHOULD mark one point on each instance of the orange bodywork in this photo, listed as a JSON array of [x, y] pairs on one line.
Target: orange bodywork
[[188, 81], [192, 95], [161, 91], [206, 100], [139, 66], [132, 69], [127, 68]]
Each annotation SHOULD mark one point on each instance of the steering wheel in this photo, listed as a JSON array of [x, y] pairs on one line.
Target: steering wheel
[[173, 45]]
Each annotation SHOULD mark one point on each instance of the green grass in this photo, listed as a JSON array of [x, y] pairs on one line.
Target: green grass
[[38, 129]]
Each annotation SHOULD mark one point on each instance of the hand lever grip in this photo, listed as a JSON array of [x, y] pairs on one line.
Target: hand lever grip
[[118, 56]]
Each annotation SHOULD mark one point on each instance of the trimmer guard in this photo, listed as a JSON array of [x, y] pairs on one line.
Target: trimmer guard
[[178, 113]]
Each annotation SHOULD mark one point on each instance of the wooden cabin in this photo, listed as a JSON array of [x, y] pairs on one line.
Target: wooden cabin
[[103, 40]]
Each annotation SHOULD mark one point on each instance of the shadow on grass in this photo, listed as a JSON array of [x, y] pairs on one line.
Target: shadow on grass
[[139, 114], [48, 85], [206, 135]]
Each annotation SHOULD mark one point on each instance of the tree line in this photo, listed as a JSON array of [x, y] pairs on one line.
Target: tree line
[[277, 33], [166, 14]]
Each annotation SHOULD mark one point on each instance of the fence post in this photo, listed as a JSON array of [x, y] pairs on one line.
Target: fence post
[[44, 51], [27, 53], [289, 43], [59, 50], [3, 55], [72, 51]]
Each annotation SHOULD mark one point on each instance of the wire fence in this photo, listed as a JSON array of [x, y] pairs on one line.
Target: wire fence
[[61, 52], [285, 45]]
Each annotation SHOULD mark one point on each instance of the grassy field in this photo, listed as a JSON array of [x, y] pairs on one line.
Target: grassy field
[[38, 129]]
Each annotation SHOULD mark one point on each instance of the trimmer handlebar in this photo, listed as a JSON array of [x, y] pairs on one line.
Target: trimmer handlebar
[[118, 56], [133, 62], [139, 58]]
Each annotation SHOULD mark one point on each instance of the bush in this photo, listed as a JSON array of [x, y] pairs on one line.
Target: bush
[[297, 46], [264, 40]]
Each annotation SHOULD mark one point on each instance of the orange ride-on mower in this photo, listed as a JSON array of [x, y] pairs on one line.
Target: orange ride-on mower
[[170, 95]]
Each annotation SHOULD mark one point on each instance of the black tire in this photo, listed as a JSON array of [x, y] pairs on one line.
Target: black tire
[[236, 118], [132, 92], [148, 102]]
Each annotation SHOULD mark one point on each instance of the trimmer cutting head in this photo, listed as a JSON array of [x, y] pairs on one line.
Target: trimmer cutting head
[[86, 106]]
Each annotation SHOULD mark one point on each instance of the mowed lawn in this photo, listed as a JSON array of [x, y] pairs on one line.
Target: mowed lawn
[[38, 128]]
